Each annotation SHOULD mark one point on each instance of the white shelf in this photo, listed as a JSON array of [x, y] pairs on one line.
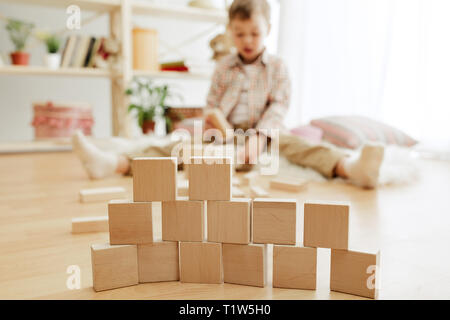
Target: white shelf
[[47, 145], [94, 5], [173, 75], [140, 7], [43, 71]]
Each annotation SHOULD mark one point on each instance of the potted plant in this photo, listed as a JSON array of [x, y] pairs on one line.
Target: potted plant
[[19, 32], [53, 43], [149, 102]]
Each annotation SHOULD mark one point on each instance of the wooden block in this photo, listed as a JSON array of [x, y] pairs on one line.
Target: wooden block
[[294, 267], [183, 188], [158, 262], [130, 223], [258, 192], [248, 178], [154, 179], [210, 179], [229, 221], [201, 262], [182, 220], [354, 273], [102, 194], [237, 193], [274, 221], [326, 225], [218, 120], [114, 266], [287, 185], [244, 264], [90, 224]]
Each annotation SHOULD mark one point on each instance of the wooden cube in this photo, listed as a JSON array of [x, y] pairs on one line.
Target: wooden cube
[[326, 225], [287, 185], [114, 266], [229, 221], [237, 193], [158, 262], [274, 221], [294, 267], [248, 178], [130, 223], [210, 178], [218, 120], [154, 179], [102, 194], [258, 192], [183, 188], [354, 273], [182, 220], [90, 224], [244, 264], [201, 262]]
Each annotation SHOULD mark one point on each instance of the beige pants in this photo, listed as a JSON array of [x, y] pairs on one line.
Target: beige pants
[[319, 157]]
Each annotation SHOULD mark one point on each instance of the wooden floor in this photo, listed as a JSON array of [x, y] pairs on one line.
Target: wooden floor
[[39, 196]]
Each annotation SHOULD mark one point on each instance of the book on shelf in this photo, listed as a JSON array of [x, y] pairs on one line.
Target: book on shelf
[[73, 57], [68, 51], [81, 51], [174, 66], [90, 52]]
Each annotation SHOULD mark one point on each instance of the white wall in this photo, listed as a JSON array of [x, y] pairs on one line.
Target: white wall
[[17, 93]]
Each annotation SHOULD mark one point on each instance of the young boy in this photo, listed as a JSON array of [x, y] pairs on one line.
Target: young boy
[[252, 89]]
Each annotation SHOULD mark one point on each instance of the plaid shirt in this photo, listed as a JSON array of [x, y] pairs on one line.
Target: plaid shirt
[[268, 95]]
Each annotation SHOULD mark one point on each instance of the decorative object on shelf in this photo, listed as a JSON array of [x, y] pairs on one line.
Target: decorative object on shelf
[[221, 46], [89, 52], [61, 119], [19, 31], [190, 116], [149, 101], [108, 55], [145, 49], [203, 4], [53, 43], [179, 66]]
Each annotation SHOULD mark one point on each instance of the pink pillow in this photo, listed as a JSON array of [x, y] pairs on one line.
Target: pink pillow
[[309, 133], [353, 131]]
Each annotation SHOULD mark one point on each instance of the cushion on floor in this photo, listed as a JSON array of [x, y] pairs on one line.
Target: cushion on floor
[[353, 131]]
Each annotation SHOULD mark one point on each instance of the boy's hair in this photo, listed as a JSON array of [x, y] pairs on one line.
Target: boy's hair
[[245, 9]]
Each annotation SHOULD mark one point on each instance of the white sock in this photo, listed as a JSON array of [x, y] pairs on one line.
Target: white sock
[[364, 170], [98, 164]]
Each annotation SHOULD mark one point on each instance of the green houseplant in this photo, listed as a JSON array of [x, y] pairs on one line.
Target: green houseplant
[[19, 31], [149, 102], [53, 44]]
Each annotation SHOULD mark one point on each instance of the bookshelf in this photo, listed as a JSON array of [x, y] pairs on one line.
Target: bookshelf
[[43, 71], [120, 13]]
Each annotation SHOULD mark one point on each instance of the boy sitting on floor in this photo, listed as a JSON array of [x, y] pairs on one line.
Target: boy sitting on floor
[[252, 89]]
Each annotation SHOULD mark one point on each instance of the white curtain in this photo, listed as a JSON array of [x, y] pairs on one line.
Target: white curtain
[[385, 59]]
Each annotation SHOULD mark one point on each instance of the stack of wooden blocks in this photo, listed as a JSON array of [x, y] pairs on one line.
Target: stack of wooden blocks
[[211, 238]]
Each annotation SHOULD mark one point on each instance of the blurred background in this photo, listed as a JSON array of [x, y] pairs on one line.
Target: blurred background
[[385, 60]]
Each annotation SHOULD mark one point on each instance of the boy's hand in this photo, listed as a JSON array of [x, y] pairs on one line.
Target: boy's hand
[[208, 123]]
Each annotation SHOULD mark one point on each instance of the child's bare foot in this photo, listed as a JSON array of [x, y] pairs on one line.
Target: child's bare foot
[[98, 164], [364, 170]]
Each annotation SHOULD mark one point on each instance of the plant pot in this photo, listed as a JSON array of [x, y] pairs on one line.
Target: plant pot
[[20, 58], [53, 60], [148, 126]]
